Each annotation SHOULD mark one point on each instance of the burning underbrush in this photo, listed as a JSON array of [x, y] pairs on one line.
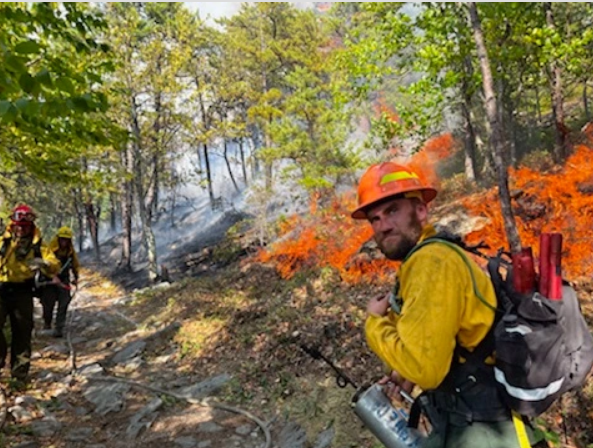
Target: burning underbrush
[[560, 200], [557, 200]]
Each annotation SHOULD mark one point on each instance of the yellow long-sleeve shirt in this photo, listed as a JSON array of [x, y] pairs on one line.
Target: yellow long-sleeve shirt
[[439, 308], [18, 270], [61, 254]]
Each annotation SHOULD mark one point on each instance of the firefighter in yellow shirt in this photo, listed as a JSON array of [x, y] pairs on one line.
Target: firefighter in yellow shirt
[[60, 292], [433, 309], [21, 254]]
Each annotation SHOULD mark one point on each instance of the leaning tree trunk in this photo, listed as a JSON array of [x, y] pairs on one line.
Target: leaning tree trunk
[[208, 175], [560, 149], [228, 166], [496, 136], [148, 236]]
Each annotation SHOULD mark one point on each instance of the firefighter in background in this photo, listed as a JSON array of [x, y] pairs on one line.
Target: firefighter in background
[[63, 249], [22, 252]]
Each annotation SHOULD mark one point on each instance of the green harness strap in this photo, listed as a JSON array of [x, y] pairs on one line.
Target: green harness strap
[[462, 255]]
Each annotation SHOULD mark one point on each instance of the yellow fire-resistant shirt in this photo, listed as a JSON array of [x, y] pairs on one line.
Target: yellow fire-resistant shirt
[[13, 269], [54, 246], [439, 308]]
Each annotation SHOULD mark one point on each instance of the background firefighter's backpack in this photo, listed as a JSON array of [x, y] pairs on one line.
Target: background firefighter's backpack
[[543, 348]]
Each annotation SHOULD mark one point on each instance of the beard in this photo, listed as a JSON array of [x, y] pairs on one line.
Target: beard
[[397, 244]]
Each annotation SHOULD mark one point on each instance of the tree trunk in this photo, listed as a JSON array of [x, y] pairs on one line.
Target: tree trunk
[[538, 106], [126, 209], [489, 166], [208, 175], [560, 149], [153, 185], [93, 226], [512, 133], [199, 154], [173, 199], [112, 212], [79, 218], [92, 215], [268, 165], [147, 234], [228, 165], [243, 167], [469, 131], [470, 145], [496, 136], [255, 160], [586, 101], [151, 199]]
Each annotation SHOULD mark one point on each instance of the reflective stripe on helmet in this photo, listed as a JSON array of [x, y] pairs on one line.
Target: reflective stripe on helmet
[[400, 175]]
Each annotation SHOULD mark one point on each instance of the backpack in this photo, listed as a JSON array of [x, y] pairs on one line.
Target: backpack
[[543, 348]]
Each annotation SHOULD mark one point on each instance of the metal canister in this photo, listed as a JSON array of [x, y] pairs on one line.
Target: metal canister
[[387, 422]]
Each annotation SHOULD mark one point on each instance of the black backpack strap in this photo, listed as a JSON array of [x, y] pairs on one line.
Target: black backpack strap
[[5, 245], [37, 249]]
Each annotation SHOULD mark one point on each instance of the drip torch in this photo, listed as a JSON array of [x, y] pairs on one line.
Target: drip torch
[[551, 263], [387, 422], [550, 268]]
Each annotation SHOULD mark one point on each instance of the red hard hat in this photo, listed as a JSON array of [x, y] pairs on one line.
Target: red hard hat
[[23, 215], [388, 179]]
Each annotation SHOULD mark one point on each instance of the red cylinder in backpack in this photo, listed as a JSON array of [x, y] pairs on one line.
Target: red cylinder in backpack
[[555, 282], [544, 264], [523, 271]]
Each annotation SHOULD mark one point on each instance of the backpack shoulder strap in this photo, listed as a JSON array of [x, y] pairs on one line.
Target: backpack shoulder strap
[[37, 249], [485, 348], [5, 245], [462, 254]]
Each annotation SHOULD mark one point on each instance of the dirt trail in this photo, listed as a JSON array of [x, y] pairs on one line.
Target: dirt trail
[[64, 406]]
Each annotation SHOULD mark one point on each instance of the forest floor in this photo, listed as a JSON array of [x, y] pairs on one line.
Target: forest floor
[[232, 330]]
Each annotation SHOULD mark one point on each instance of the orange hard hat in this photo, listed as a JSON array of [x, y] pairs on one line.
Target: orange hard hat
[[389, 179]]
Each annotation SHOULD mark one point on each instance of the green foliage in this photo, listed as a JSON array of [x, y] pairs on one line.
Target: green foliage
[[292, 96], [53, 106], [51, 70], [416, 63]]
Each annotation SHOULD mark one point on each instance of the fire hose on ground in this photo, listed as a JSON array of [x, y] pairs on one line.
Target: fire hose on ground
[[73, 370], [204, 402]]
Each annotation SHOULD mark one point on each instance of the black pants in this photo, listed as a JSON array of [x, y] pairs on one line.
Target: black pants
[[50, 295], [16, 303]]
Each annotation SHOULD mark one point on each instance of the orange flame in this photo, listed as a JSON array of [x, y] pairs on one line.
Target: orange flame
[[552, 202], [329, 237], [435, 150]]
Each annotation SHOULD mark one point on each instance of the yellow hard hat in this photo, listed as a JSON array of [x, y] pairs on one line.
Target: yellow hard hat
[[65, 232]]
